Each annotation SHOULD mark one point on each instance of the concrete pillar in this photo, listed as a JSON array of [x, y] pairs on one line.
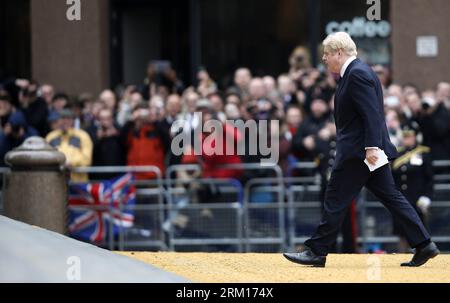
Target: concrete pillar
[[35, 191], [413, 18], [72, 55]]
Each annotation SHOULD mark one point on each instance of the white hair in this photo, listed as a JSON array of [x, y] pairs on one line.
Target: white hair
[[340, 40]]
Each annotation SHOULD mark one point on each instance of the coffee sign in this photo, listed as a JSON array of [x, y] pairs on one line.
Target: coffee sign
[[360, 27]]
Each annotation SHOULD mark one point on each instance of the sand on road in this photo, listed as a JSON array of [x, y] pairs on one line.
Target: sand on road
[[251, 267]]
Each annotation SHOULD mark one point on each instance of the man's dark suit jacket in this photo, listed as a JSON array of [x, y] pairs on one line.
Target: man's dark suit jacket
[[359, 115]]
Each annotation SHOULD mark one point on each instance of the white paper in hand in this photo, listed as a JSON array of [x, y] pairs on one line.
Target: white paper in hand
[[382, 160]]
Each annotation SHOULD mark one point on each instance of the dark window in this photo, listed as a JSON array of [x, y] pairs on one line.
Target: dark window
[[15, 49]]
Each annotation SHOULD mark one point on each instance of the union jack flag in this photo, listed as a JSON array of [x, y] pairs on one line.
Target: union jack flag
[[91, 206]]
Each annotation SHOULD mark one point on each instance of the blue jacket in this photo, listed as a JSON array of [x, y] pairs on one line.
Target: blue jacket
[[359, 115]]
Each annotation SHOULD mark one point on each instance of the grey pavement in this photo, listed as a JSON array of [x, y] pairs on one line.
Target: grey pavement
[[34, 255]]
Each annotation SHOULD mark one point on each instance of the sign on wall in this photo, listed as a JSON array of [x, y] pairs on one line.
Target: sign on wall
[[359, 27], [371, 37], [427, 46]]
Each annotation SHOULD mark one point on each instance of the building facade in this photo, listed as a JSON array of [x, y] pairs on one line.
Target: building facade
[[114, 40]]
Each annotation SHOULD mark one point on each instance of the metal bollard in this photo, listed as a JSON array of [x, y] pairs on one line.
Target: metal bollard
[[35, 191]]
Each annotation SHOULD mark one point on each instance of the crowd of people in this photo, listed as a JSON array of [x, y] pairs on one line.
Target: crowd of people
[[132, 125]]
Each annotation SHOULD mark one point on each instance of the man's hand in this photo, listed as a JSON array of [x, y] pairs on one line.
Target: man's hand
[[371, 156]]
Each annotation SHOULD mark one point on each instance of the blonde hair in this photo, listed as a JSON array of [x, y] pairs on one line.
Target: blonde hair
[[340, 40]]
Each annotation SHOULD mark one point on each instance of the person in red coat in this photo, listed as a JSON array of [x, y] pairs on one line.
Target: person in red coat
[[212, 153], [146, 141], [213, 146]]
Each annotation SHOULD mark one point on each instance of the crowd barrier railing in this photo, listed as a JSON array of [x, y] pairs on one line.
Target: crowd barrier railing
[[216, 224], [241, 204], [442, 171], [264, 219]]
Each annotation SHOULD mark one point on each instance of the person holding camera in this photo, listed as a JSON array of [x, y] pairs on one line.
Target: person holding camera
[[14, 128], [315, 84], [443, 93], [241, 83], [173, 109], [305, 141], [146, 139], [257, 89], [257, 110], [130, 99], [46, 92], [287, 89], [59, 102], [107, 139], [6, 108], [161, 80], [435, 126], [433, 118], [109, 99], [299, 61], [34, 107], [75, 144], [206, 84]]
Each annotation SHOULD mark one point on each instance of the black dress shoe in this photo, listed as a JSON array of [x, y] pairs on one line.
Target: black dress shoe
[[421, 256], [306, 257]]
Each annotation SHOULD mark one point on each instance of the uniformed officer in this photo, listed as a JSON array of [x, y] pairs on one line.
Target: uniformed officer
[[413, 175]]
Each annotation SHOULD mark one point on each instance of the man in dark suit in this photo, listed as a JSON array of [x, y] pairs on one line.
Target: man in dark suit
[[361, 135]]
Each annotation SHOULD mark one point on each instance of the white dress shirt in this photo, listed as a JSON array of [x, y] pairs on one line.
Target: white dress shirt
[[346, 64]]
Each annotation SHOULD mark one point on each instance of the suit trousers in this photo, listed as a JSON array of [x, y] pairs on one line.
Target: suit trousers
[[344, 185]]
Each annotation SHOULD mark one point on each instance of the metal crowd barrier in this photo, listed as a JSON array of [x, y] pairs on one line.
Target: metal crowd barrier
[[192, 225], [264, 223], [199, 228], [264, 220], [304, 213], [241, 206], [303, 205], [442, 165]]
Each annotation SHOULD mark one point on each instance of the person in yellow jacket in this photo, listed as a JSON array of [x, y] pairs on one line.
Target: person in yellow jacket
[[75, 144]]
